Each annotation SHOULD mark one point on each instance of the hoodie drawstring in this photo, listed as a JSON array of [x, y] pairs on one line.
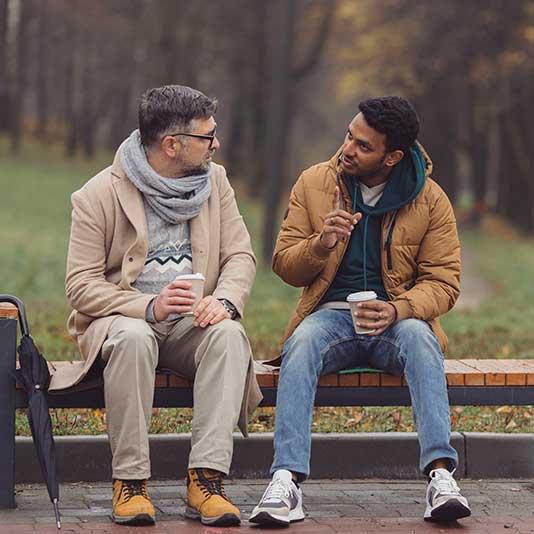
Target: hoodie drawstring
[[365, 226]]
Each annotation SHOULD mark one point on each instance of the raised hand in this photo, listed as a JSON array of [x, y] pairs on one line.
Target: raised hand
[[338, 223]]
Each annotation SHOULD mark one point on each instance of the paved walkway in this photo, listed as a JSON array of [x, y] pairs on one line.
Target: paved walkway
[[474, 288], [331, 506]]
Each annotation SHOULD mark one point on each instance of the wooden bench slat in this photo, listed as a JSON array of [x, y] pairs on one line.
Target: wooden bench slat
[[460, 374], [178, 382], [467, 372], [8, 311], [265, 380], [370, 379], [351, 380], [331, 380], [493, 373], [162, 380], [390, 380]]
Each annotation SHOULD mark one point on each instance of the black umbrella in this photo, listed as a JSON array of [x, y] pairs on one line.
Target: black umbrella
[[34, 376]]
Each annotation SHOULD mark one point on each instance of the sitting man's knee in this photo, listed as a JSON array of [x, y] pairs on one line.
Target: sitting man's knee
[[418, 340], [133, 335], [414, 329], [226, 328]]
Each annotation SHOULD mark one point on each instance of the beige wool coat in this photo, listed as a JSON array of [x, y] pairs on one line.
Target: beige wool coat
[[424, 279], [107, 250]]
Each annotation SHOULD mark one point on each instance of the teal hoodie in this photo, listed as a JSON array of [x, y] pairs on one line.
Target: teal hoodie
[[361, 269]]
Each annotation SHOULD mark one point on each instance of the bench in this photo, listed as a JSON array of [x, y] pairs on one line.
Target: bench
[[470, 382]]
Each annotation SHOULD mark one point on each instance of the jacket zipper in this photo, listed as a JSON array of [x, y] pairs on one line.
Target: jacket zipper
[[389, 238]]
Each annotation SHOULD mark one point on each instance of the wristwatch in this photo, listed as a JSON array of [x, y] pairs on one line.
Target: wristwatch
[[229, 307]]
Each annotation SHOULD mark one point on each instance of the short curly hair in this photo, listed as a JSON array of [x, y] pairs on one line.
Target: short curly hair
[[393, 116]]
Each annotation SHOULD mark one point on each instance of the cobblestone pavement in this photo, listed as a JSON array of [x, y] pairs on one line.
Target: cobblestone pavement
[[331, 506]]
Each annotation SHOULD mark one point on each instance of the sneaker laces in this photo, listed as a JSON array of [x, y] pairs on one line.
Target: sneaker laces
[[446, 484], [276, 490], [131, 488], [211, 485]]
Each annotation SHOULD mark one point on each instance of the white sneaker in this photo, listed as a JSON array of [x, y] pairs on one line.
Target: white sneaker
[[281, 502], [443, 499]]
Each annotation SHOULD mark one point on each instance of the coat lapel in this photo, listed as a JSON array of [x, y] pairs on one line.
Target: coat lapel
[[199, 232], [131, 202]]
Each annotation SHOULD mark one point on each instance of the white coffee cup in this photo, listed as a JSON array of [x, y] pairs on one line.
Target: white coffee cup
[[354, 299], [197, 287]]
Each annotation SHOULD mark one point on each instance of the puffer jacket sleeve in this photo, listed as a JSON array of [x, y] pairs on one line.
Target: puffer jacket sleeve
[[299, 255], [437, 283]]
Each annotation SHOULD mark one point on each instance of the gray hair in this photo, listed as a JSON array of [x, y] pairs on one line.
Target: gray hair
[[163, 110]]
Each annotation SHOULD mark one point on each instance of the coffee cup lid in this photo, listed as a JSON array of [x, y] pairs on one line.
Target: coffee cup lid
[[360, 296], [192, 276]]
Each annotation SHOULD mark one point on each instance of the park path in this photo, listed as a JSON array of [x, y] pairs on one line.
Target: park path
[[331, 506], [474, 288]]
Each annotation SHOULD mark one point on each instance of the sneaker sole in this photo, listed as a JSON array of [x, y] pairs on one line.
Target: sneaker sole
[[267, 518], [449, 511], [225, 520], [135, 520]]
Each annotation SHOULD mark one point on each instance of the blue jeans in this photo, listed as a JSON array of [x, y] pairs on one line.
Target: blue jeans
[[326, 342]]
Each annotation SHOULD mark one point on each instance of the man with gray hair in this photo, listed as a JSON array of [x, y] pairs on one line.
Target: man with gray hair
[[164, 209]]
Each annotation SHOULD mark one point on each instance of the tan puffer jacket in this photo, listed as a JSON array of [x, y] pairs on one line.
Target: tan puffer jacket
[[422, 274]]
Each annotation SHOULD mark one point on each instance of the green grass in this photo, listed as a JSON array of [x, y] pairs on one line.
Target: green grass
[[35, 219], [503, 326]]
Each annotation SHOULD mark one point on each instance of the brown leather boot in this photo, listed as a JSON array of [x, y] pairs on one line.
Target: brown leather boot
[[207, 501], [131, 503]]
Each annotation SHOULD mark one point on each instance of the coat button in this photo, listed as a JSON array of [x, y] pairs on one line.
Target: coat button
[[130, 259]]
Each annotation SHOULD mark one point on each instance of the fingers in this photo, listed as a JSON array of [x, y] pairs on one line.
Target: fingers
[[209, 311], [202, 307], [337, 199], [374, 315], [173, 301], [339, 225], [376, 305], [180, 284]]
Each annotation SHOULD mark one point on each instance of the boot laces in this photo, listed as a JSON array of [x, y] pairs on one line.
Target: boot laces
[[211, 485], [131, 488]]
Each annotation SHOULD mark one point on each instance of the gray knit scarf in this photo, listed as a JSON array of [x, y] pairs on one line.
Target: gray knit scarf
[[175, 200]]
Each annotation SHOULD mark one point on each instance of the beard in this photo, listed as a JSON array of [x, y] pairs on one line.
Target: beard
[[189, 169], [362, 174], [199, 169]]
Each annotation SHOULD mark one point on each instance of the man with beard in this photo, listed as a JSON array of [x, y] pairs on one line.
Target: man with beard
[[370, 219], [164, 209]]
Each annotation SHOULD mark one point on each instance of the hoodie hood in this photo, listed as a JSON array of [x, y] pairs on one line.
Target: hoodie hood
[[405, 182]]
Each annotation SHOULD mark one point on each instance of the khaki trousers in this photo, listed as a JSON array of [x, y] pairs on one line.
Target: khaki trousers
[[216, 358]]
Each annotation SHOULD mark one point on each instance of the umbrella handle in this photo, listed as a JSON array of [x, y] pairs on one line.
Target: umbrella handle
[[23, 321]]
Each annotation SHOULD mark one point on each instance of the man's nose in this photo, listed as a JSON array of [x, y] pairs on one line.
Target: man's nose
[[215, 145], [349, 149]]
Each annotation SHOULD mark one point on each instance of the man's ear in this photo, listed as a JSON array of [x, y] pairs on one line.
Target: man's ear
[[392, 158], [171, 146]]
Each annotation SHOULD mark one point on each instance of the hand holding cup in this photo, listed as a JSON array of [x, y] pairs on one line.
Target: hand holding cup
[[177, 297]]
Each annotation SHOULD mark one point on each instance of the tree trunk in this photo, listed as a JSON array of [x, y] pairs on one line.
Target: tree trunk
[[5, 116], [19, 89], [282, 24], [43, 39]]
